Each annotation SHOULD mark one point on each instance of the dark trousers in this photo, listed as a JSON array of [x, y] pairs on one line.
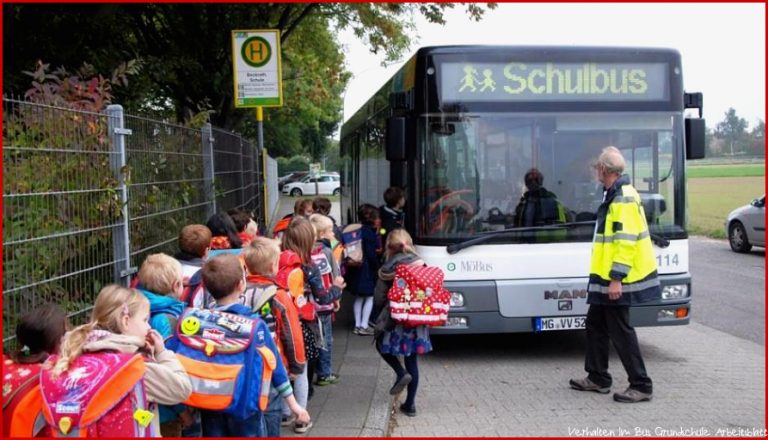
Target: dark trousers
[[612, 323], [412, 367]]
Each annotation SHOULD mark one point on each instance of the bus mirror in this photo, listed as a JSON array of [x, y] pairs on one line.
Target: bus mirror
[[396, 139], [443, 129], [695, 144]]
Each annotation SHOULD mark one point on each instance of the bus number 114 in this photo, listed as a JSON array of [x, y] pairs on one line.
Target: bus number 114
[[667, 260]]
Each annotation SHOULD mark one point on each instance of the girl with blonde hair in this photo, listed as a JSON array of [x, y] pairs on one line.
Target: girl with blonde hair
[[392, 339], [120, 323]]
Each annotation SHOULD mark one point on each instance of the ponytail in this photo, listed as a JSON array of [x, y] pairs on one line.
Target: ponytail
[[72, 347]]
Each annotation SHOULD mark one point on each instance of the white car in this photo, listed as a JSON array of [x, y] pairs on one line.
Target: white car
[[745, 226], [327, 183]]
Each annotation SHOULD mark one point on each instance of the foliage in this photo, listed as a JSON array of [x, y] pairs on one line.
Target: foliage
[[62, 183], [287, 165], [185, 49]]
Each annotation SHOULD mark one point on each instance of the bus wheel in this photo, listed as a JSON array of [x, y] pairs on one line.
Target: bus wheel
[[296, 192]]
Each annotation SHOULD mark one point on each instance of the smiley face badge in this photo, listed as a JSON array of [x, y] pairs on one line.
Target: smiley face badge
[[190, 325]]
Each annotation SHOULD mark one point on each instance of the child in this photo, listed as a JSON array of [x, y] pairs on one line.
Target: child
[[302, 208], [194, 242], [362, 280], [322, 205], [120, 323], [396, 340], [224, 232], [39, 334], [391, 214], [224, 278], [262, 258], [332, 280], [246, 227], [298, 242], [161, 281]]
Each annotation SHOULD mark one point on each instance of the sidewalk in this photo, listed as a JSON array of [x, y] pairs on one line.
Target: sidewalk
[[360, 404]]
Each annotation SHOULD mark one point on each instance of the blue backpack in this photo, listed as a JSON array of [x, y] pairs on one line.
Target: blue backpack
[[227, 360]]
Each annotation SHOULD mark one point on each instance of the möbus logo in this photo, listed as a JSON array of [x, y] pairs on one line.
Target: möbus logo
[[476, 266], [565, 294]]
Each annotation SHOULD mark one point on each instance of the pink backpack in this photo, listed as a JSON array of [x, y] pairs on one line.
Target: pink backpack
[[100, 395], [417, 296]]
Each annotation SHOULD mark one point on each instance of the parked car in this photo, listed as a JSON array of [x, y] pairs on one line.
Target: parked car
[[745, 226], [290, 177], [327, 183]]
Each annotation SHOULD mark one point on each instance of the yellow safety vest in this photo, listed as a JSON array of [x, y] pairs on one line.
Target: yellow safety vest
[[622, 249]]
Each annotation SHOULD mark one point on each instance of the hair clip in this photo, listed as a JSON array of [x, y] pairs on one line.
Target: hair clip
[[25, 350], [125, 311]]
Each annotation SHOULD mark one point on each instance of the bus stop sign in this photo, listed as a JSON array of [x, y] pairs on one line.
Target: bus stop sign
[[257, 68]]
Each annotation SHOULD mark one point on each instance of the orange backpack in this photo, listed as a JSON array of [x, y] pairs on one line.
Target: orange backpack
[[22, 401]]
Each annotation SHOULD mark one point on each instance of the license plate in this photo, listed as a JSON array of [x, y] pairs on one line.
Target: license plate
[[561, 323]]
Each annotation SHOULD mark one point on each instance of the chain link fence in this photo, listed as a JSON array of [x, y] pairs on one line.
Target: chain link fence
[[87, 196]]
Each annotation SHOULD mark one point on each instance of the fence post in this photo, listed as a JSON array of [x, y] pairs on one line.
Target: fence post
[[121, 242], [243, 195], [208, 170]]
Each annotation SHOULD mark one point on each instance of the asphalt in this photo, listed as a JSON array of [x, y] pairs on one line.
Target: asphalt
[[360, 404]]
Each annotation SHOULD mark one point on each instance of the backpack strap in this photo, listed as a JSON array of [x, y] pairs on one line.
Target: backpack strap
[[270, 363]]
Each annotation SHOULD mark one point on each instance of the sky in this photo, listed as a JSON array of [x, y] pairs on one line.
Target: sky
[[722, 45]]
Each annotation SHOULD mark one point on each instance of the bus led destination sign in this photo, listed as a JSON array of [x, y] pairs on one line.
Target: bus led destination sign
[[519, 81]]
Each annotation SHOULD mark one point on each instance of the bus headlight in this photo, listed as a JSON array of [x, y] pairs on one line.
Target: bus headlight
[[457, 299], [674, 291]]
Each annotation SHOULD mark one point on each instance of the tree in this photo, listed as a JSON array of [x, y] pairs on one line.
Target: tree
[[757, 139], [186, 56], [732, 128]]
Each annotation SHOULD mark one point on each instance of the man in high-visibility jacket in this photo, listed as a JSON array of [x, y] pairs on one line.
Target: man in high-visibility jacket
[[622, 273]]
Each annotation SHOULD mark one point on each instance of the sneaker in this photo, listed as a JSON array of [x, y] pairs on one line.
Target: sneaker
[[328, 380], [400, 385], [587, 385], [631, 395], [366, 332], [301, 428], [287, 420], [410, 412], [356, 330]]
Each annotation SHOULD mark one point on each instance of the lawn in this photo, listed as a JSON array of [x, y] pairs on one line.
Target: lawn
[[712, 198], [739, 170]]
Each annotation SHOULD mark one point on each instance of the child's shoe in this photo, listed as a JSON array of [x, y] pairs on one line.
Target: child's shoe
[[328, 380]]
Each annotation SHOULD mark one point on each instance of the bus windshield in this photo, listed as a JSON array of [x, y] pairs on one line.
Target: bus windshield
[[487, 172]]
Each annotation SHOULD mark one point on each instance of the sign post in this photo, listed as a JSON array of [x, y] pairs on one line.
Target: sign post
[[314, 173], [257, 73]]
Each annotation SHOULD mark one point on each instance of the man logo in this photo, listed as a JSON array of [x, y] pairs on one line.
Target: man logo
[[564, 305]]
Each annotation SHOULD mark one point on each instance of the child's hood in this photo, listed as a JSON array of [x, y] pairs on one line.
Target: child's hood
[[387, 270], [163, 304], [101, 340]]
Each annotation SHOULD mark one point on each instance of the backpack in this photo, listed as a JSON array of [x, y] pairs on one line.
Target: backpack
[[338, 250], [281, 226], [291, 275], [227, 360], [323, 304], [22, 401], [417, 296], [352, 237], [194, 293], [101, 395]]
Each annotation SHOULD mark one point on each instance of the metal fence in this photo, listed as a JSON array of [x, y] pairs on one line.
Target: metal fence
[[87, 196]]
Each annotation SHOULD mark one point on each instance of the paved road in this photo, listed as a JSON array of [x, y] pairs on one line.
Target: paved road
[[728, 288], [709, 376]]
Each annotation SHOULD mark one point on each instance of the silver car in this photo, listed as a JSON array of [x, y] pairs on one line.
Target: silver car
[[745, 226]]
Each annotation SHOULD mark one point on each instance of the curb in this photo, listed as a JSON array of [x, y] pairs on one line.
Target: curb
[[377, 422]]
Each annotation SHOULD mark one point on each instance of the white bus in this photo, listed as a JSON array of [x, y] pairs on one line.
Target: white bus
[[459, 127]]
